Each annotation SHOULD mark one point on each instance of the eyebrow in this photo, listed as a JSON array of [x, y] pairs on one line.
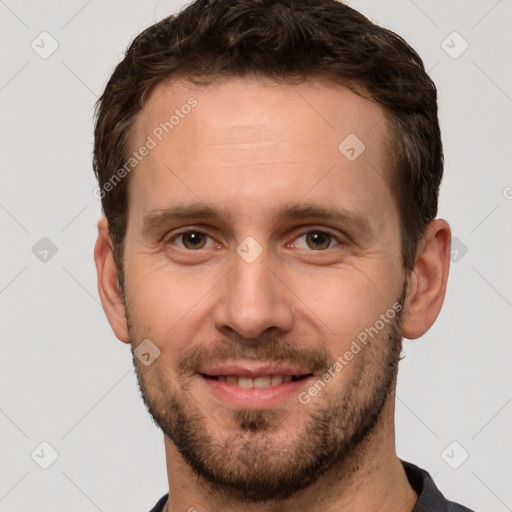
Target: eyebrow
[[156, 218], [297, 211], [325, 213]]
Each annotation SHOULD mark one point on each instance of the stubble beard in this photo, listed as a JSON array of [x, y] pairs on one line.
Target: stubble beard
[[260, 461]]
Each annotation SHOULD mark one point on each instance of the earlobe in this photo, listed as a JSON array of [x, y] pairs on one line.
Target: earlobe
[[108, 285], [428, 279]]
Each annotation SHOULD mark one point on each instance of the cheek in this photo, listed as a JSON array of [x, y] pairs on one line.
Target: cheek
[[166, 305], [345, 302]]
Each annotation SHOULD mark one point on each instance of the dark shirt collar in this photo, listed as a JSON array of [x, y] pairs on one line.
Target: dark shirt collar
[[430, 498]]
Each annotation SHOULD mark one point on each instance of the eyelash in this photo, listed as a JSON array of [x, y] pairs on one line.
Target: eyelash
[[334, 238]]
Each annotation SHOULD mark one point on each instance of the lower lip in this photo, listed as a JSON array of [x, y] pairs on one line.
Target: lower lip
[[255, 398]]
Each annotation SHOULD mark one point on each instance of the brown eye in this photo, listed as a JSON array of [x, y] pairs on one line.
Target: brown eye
[[317, 240], [193, 240]]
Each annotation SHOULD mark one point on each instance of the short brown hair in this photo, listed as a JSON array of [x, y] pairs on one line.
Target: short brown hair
[[287, 41]]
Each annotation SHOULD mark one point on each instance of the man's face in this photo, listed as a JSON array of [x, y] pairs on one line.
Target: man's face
[[257, 251]]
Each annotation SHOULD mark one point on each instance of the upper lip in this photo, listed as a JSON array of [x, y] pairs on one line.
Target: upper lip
[[253, 369]]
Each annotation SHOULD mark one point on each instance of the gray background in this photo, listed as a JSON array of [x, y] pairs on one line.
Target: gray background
[[67, 381]]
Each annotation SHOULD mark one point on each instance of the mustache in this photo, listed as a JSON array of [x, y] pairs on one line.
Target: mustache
[[266, 350]]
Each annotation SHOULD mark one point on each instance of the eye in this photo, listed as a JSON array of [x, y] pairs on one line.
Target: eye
[[191, 240], [316, 240]]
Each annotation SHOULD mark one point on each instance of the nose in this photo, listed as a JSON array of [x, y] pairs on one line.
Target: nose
[[253, 301]]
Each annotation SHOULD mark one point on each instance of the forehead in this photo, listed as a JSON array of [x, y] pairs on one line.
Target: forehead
[[247, 141], [249, 106]]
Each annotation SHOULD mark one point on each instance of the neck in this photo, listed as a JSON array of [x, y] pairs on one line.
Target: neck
[[374, 478]]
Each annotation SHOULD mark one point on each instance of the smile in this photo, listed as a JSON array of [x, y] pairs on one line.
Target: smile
[[254, 385], [248, 382]]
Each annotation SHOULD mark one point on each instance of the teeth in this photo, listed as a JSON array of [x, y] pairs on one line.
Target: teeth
[[262, 382], [245, 382], [258, 382], [276, 380]]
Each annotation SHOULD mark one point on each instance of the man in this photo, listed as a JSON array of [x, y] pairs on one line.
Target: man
[[269, 174]]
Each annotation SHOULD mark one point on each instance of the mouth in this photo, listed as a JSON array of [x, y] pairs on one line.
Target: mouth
[[259, 382], [253, 385]]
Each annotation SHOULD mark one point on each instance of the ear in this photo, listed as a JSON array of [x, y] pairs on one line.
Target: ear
[[427, 281], [108, 285]]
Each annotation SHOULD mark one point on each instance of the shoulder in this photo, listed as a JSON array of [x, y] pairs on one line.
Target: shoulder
[[430, 498]]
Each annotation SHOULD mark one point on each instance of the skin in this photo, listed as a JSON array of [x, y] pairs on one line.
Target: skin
[[250, 148]]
